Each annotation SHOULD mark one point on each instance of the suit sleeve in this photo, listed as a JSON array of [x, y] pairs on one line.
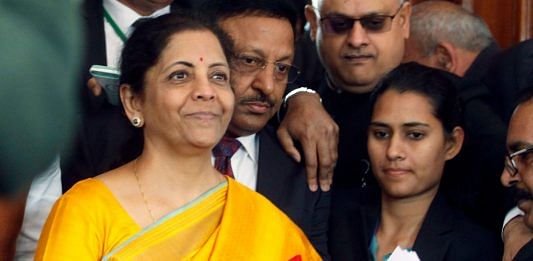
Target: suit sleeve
[[319, 224]]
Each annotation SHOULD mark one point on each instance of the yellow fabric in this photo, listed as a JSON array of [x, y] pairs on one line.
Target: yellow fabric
[[85, 223], [188, 227], [232, 223], [252, 228]]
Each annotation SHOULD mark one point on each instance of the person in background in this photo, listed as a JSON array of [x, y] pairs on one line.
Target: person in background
[[40, 56], [358, 42], [518, 173], [263, 32], [170, 202]]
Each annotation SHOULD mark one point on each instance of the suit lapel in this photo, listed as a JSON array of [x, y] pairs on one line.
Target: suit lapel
[[272, 178], [435, 236]]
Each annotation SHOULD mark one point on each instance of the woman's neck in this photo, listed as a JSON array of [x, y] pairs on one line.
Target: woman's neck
[[401, 220], [171, 172]]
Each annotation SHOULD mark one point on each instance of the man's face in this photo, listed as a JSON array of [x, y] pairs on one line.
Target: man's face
[[258, 94], [356, 59], [520, 136]]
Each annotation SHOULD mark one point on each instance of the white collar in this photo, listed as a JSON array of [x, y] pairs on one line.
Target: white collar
[[249, 144], [124, 16]]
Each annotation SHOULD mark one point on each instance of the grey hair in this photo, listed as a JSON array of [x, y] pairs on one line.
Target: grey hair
[[437, 21]]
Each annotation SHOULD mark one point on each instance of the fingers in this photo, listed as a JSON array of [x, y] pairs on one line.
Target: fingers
[[311, 162], [327, 155], [95, 88], [287, 143]]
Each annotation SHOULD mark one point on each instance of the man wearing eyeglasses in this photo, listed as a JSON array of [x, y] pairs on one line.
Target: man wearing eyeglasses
[[518, 173], [263, 34], [358, 42]]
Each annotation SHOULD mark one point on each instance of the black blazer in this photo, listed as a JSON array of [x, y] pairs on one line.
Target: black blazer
[[283, 181], [446, 234]]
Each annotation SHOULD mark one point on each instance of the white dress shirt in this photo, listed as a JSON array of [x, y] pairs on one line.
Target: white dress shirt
[[44, 191], [244, 161]]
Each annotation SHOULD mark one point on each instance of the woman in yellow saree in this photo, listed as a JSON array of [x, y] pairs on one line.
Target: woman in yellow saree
[[170, 203]]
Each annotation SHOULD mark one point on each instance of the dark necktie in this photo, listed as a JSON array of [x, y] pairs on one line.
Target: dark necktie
[[223, 152]]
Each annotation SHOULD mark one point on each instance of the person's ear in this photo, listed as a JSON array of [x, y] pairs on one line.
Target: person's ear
[[131, 102], [446, 57], [404, 18], [454, 143], [312, 19]]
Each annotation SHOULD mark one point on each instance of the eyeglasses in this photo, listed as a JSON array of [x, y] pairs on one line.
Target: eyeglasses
[[251, 64], [340, 24], [518, 159]]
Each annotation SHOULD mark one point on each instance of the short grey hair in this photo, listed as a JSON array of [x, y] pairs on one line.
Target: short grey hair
[[433, 22]]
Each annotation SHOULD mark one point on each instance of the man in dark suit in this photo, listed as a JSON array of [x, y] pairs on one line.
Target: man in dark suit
[[263, 34], [518, 173]]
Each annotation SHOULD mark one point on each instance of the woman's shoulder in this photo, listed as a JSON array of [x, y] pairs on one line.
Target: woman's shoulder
[[474, 239], [87, 188]]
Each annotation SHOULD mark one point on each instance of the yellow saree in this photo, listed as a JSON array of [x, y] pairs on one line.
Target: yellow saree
[[228, 222]]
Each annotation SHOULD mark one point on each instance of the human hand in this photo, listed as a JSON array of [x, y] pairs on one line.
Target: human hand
[[94, 87], [515, 235], [307, 122]]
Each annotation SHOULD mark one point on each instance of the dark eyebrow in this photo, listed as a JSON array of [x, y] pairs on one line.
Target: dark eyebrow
[[408, 124], [518, 145], [217, 64], [416, 124], [188, 64]]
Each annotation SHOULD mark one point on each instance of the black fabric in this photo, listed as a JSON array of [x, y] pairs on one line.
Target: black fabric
[[446, 234], [510, 72], [353, 180], [471, 180], [284, 182]]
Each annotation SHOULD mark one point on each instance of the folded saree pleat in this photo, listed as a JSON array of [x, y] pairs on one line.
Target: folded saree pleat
[[252, 228]]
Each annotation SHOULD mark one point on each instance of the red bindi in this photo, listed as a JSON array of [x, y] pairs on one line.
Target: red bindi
[[201, 59]]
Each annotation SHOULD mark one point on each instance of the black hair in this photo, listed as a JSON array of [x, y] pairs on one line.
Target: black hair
[[144, 47], [219, 10], [436, 85]]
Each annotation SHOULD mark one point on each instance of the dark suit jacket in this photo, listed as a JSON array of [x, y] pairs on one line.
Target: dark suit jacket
[[510, 72], [446, 234], [283, 181]]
